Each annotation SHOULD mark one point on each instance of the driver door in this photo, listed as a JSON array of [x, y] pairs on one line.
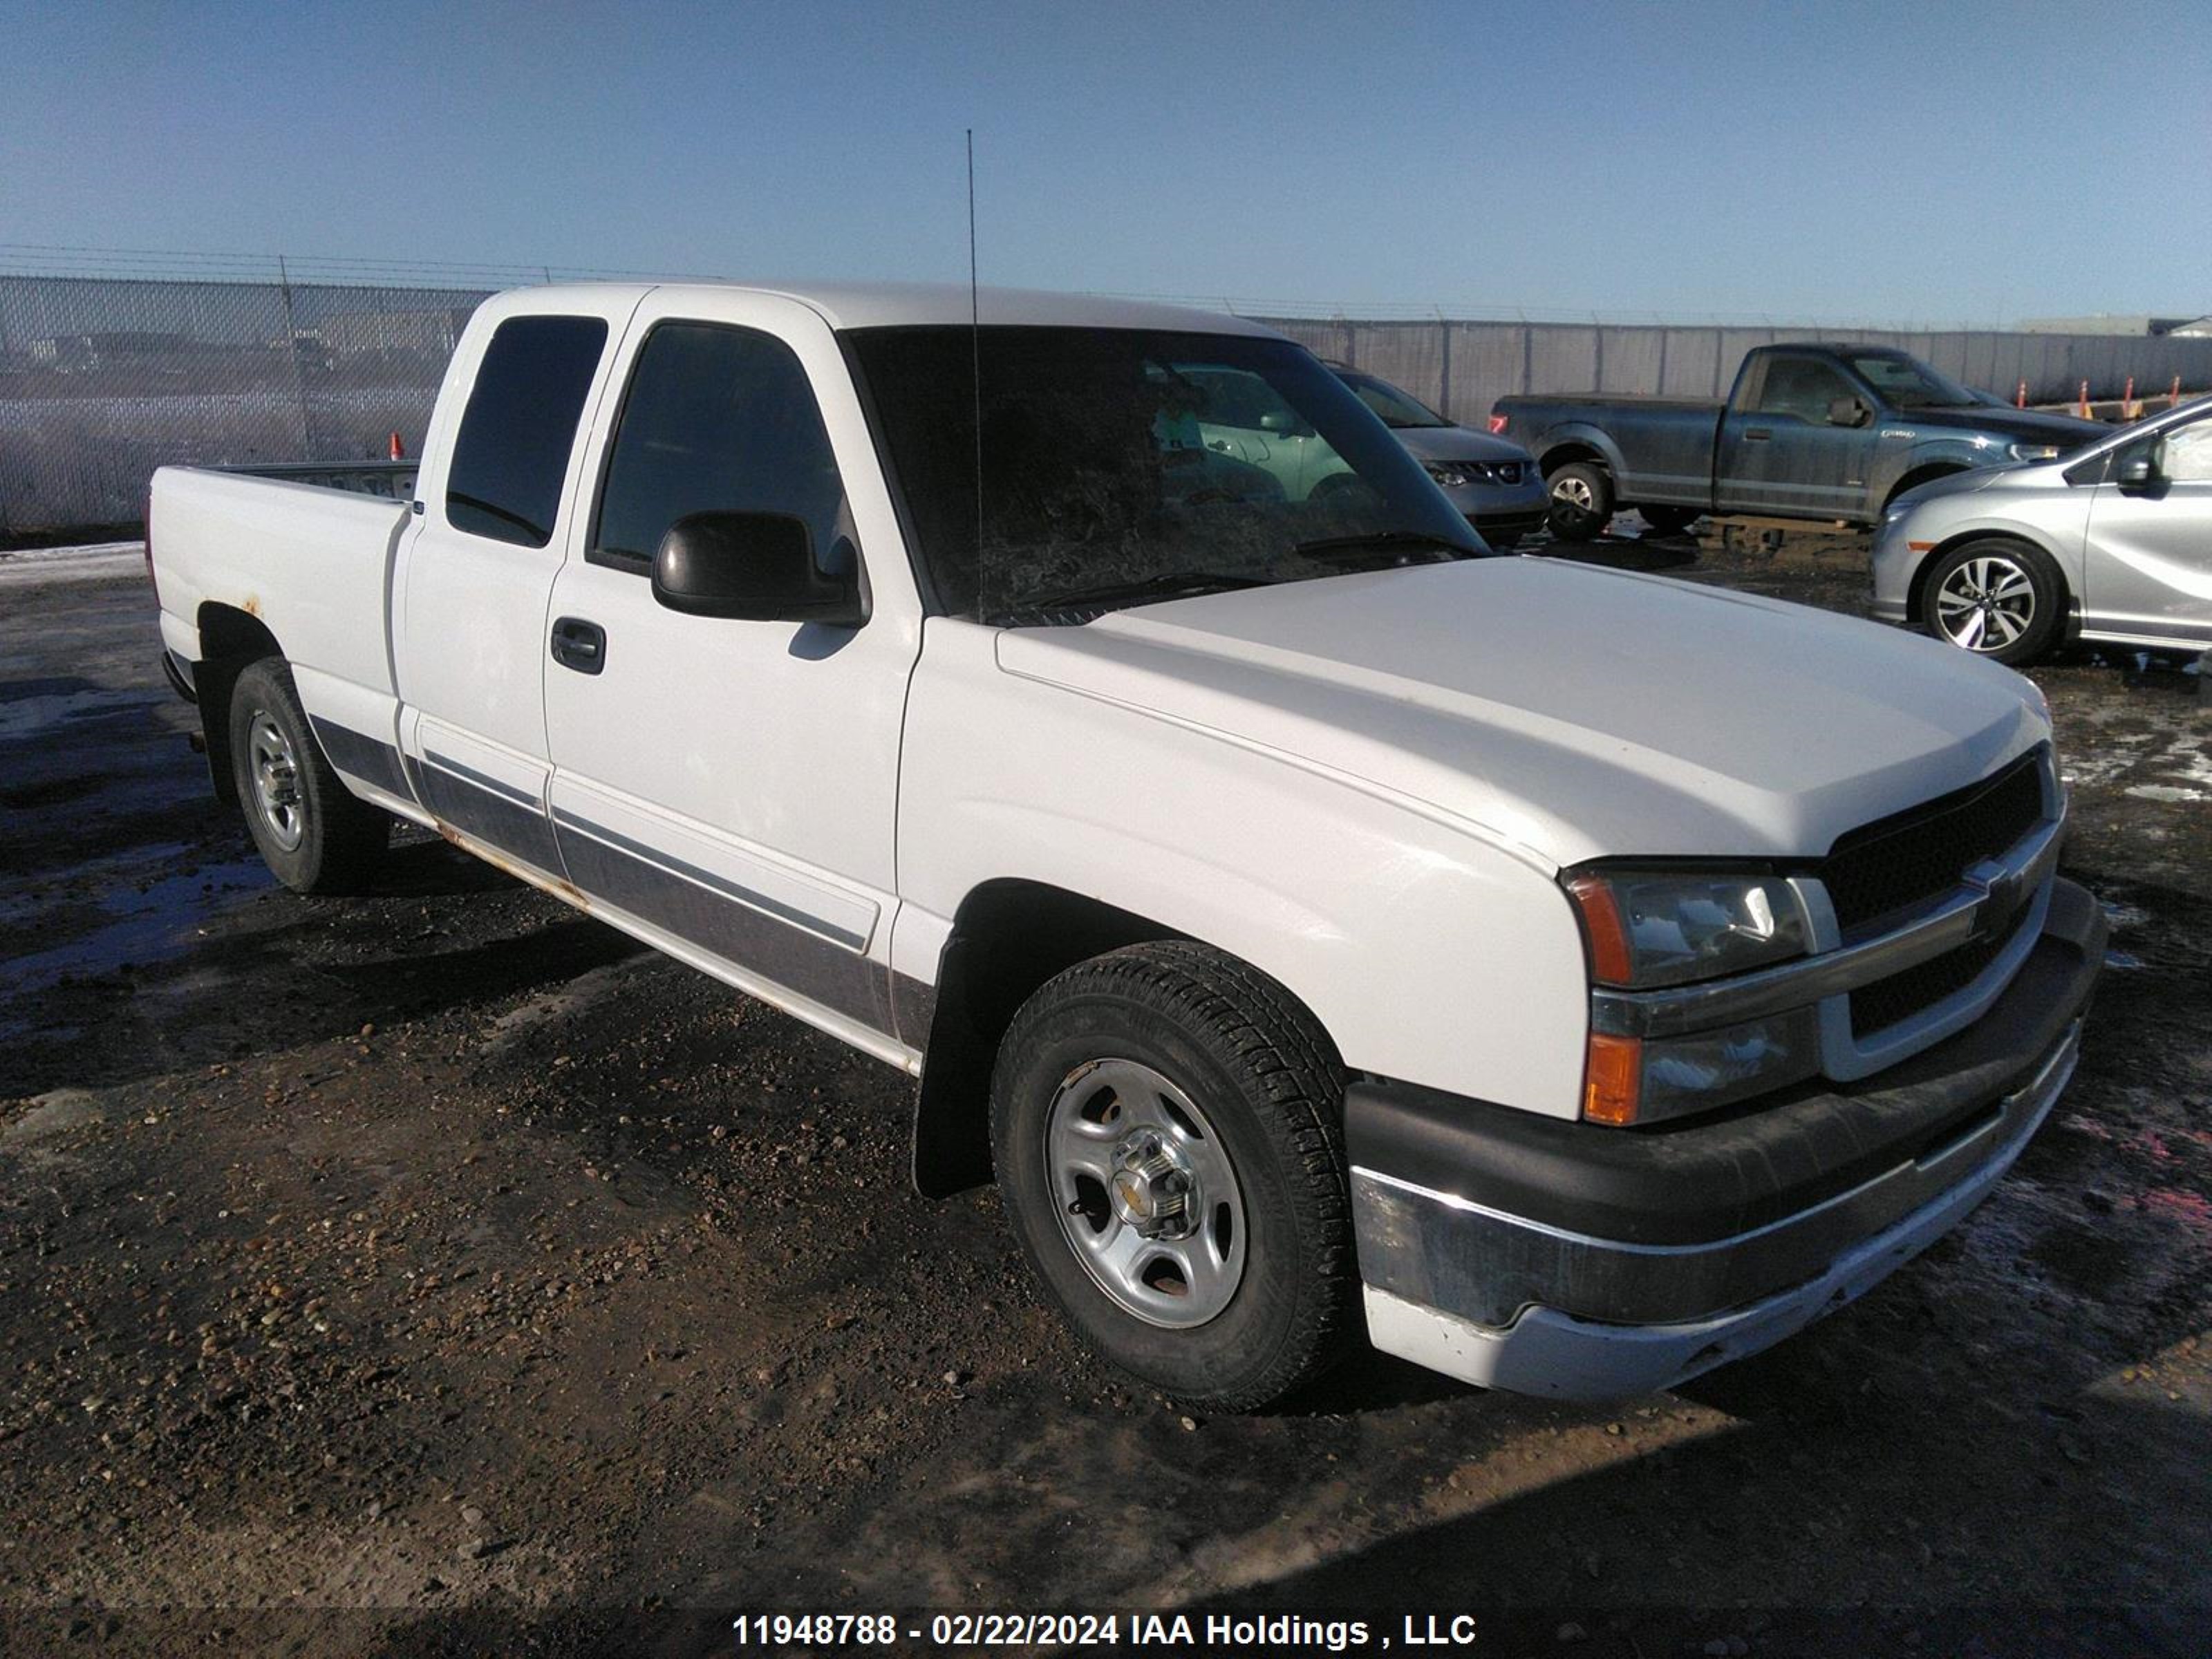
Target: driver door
[[1782, 454], [2147, 567], [728, 788]]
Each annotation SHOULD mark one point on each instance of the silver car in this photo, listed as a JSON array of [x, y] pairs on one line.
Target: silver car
[[2111, 544], [1493, 481]]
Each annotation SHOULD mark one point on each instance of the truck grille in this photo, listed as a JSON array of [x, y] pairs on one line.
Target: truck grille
[[1876, 1008], [1916, 856]]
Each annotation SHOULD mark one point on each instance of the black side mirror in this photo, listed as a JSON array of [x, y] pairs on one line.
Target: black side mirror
[[753, 567], [2138, 470], [1848, 411]]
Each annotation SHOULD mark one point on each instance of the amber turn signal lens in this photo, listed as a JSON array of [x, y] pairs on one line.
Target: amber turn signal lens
[[1604, 930], [1612, 1078]]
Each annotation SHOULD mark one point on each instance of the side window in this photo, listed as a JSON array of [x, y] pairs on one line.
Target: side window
[[2186, 453], [716, 419], [519, 426], [1803, 386]]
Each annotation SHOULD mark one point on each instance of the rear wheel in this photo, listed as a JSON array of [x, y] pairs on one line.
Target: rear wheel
[[315, 835], [1669, 520], [1995, 598], [1166, 1128], [1582, 502]]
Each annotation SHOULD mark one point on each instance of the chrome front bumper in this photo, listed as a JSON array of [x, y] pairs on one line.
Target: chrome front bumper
[[1585, 1262]]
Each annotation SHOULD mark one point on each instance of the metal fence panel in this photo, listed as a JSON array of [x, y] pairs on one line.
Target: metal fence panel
[[102, 378], [1562, 357], [1694, 367], [1631, 360], [1489, 361]]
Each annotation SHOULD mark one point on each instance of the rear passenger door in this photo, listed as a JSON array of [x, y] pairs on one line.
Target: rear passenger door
[[1778, 451], [472, 584], [728, 788]]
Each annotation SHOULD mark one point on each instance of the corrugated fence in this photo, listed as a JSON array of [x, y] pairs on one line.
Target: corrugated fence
[[102, 378], [1462, 368]]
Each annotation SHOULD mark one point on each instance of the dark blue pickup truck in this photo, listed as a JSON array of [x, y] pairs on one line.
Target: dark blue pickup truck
[[1809, 432]]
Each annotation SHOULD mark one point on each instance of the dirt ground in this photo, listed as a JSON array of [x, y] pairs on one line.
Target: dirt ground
[[439, 1271]]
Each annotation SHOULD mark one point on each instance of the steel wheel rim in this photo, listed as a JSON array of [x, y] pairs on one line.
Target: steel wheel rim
[[1123, 1145], [276, 780], [1986, 603]]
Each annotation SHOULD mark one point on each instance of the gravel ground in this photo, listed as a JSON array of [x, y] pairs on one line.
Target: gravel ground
[[437, 1271]]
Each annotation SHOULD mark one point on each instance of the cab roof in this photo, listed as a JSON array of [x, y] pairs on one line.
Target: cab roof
[[909, 305]]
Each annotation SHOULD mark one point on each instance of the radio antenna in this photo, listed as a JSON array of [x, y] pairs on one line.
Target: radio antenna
[[975, 354]]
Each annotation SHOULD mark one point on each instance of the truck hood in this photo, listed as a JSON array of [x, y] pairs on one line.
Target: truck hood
[[2026, 425], [1456, 443], [1566, 711]]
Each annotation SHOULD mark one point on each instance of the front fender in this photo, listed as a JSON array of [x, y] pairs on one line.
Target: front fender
[[1427, 954]]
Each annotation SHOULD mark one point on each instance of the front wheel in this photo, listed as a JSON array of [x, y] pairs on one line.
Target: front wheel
[[1995, 598], [315, 835], [1582, 502], [1166, 1124]]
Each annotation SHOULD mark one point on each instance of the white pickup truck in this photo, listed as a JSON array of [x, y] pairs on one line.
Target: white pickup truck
[[1317, 924]]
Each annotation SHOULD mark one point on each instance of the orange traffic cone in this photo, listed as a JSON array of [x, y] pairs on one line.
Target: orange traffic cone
[[2020, 401], [2084, 409], [398, 451], [2173, 398]]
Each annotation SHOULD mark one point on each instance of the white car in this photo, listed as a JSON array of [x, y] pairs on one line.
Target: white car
[[1318, 925]]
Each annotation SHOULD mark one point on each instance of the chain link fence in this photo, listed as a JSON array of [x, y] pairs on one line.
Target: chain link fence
[[105, 377], [103, 380]]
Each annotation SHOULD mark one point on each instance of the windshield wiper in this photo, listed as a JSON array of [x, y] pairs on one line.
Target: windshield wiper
[[1388, 543], [1169, 584]]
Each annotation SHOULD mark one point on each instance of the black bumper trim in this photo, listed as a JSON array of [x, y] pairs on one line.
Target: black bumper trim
[[1700, 1181]]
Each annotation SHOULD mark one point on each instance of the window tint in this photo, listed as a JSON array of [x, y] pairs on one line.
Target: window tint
[[716, 419], [1803, 386], [1908, 384], [1107, 460], [519, 426]]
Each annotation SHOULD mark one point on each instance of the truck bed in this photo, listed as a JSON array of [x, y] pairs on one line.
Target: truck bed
[[306, 550]]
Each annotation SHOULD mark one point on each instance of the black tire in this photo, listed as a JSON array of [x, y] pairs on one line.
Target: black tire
[[315, 835], [1669, 520], [1261, 1074], [1997, 597], [1582, 500]]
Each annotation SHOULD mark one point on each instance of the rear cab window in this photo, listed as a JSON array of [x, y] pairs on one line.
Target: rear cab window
[[511, 455]]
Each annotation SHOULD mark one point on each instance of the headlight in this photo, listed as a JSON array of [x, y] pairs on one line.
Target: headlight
[[1450, 474], [1646, 929], [2033, 452], [1633, 1080]]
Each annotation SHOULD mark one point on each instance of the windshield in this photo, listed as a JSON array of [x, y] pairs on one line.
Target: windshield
[[1397, 409], [1121, 464], [1904, 383]]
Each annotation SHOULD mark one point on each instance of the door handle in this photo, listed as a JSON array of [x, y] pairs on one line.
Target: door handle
[[1757, 436], [580, 645]]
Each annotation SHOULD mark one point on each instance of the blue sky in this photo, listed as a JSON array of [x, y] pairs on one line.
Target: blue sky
[[1946, 162]]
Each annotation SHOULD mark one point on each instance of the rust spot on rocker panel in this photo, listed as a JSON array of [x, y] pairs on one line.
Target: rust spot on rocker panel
[[562, 890]]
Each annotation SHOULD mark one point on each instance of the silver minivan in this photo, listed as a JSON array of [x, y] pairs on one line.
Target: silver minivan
[[2111, 544]]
